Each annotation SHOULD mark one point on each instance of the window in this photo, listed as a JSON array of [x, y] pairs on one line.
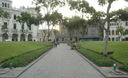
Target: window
[[113, 39], [29, 27], [8, 5], [5, 4], [109, 39], [14, 26], [62, 39], [126, 38], [126, 31], [5, 23], [22, 26], [117, 33], [112, 32], [126, 23], [14, 17], [2, 4]]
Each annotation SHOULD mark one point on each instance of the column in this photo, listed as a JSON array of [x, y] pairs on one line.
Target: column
[[0, 37], [26, 37], [19, 37], [9, 37]]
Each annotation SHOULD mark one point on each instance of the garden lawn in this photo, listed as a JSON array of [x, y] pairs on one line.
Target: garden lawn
[[12, 49], [98, 59], [120, 49]]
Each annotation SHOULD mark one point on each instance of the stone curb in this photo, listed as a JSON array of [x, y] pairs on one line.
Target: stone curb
[[30, 65], [4, 71], [95, 66], [91, 63]]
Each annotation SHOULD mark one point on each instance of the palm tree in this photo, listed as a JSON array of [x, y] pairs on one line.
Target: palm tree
[[121, 31]]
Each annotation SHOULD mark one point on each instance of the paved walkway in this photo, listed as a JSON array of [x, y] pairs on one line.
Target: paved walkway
[[61, 62]]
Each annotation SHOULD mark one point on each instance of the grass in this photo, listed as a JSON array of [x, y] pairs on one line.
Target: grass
[[21, 53], [119, 49], [96, 58]]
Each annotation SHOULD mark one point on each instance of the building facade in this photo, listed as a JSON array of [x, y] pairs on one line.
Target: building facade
[[91, 33], [15, 31], [64, 35], [114, 35]]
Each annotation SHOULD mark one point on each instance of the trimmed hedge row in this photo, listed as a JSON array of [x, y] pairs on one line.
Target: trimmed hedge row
[[119, 48], [9, 50], [124, 67], [98, 59], [26, 58]]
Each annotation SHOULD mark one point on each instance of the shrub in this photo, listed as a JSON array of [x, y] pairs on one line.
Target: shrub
[[98, 59], [26, 58], [124, 67]]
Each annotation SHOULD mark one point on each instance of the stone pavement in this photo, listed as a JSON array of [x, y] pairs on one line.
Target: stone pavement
[[61, 62], [107, 72]]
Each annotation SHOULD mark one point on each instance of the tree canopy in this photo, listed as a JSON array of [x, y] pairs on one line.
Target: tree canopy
[[121, 14], [4, 14], [82, 6], [29, 19], [107, 21], [49, 7]]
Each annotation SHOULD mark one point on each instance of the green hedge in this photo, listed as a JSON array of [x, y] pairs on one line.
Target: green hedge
[[96, 58], [26, 58], [124, 67], [119, 49], [12, 49]]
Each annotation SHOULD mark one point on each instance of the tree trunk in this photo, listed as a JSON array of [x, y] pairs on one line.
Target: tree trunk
[[44, 37], [106, 44], [107, 30], [48, 30], [120, 37], [101, 31]]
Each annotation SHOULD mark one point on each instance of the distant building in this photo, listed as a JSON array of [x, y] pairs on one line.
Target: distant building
[[113, 34], [92, 33], [43, 35], [15, 31]]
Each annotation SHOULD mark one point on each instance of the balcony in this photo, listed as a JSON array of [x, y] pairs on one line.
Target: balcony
[[4, 30], [14, 31], [23, 31], [29, 31]]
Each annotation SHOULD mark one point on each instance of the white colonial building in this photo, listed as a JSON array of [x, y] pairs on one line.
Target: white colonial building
[[15, 31], [114, 35]]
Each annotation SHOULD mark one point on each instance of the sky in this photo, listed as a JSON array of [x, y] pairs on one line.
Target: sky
[[65, 10], [116, 5]]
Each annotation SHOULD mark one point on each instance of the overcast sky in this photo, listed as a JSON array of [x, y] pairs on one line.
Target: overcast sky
[[66, 12], [116, 5]]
